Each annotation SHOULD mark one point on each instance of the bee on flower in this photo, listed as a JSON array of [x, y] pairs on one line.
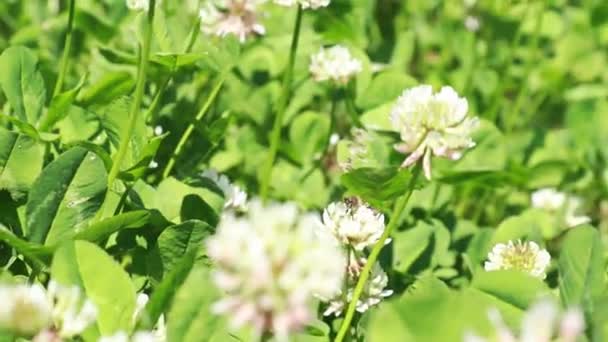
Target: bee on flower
[[54, 314], [432, 124], [231, 17], [523, 256], [354, 223], [542, 322], [560, 203], [234, 197], [305, 4], [270, 263], [335, 64]]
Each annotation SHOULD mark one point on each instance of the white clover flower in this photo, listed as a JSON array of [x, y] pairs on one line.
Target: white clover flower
[[138, 5], [354, 223], [373, 293], [335, 64], [556, 202], [25, 309], [234, 197], [236, 17], [358, 150], [432, 124], [159, 334], [71, 313], [542, 322], [305, 4], [523, 256], [270, 263], [472, 23]]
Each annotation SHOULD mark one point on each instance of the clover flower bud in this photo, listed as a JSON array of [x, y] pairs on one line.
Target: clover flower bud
[[557, 202], [335, 64], [523, 256], [235, 17], [270, 263], [354, 223], [234, 197], [432, 124], [305, 4], [25, 309]]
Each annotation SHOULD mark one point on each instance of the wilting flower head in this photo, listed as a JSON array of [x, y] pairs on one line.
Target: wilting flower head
[[234, 197], [373, 293], [542, 322], [523, 256], [236, 17], [138, 5], [312, 4], [432, 124], [335, 64], [354, 223], [557, 202], [270, 263], [25, 309]]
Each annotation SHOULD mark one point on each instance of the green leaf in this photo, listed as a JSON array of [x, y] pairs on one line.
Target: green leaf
[[105, 283], [145, 157], [307, 135], [67, 194], [21, 161], [22, 83], [190, 318], [165, 292], [59, 107], [581, 268], [377, 184], [110, 86], [103, 229], [28, 249], [178, 240]]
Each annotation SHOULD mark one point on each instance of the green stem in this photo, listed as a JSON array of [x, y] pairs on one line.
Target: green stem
[[190, 128], [373, 256], [139, 93], [275, 136], [65, 58], [349, 94]]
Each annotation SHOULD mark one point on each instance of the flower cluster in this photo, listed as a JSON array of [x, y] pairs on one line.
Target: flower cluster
[[560, 203], [357, 226], [138, 5], [235, 17], [270, 263], [432, 124], [543, 322], [312, 4], [234, 197], [523, 256], [335, 64], [58, 312]]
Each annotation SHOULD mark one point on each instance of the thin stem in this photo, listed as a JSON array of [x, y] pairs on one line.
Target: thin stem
[[65, 58], [349, 95], [139, 93], [190, 128], [373, 256], [275, 137]]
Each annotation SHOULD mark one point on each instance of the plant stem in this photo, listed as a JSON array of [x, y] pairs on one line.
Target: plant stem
[[136, 106], [65, 58], [190, 128], [349, 95], [400, 205], [275, 136]]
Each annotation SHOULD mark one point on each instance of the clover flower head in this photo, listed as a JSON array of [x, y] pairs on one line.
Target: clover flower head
[[472, 23], [432, 124], [71, 313], [557, 202], [358, 150], [305, 4], [335, 64], [234, 197], [542, 322], [523, 256], [354, 223], [373, 293], [235, 17], [25, 309], [270, 263], [138, 5]]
